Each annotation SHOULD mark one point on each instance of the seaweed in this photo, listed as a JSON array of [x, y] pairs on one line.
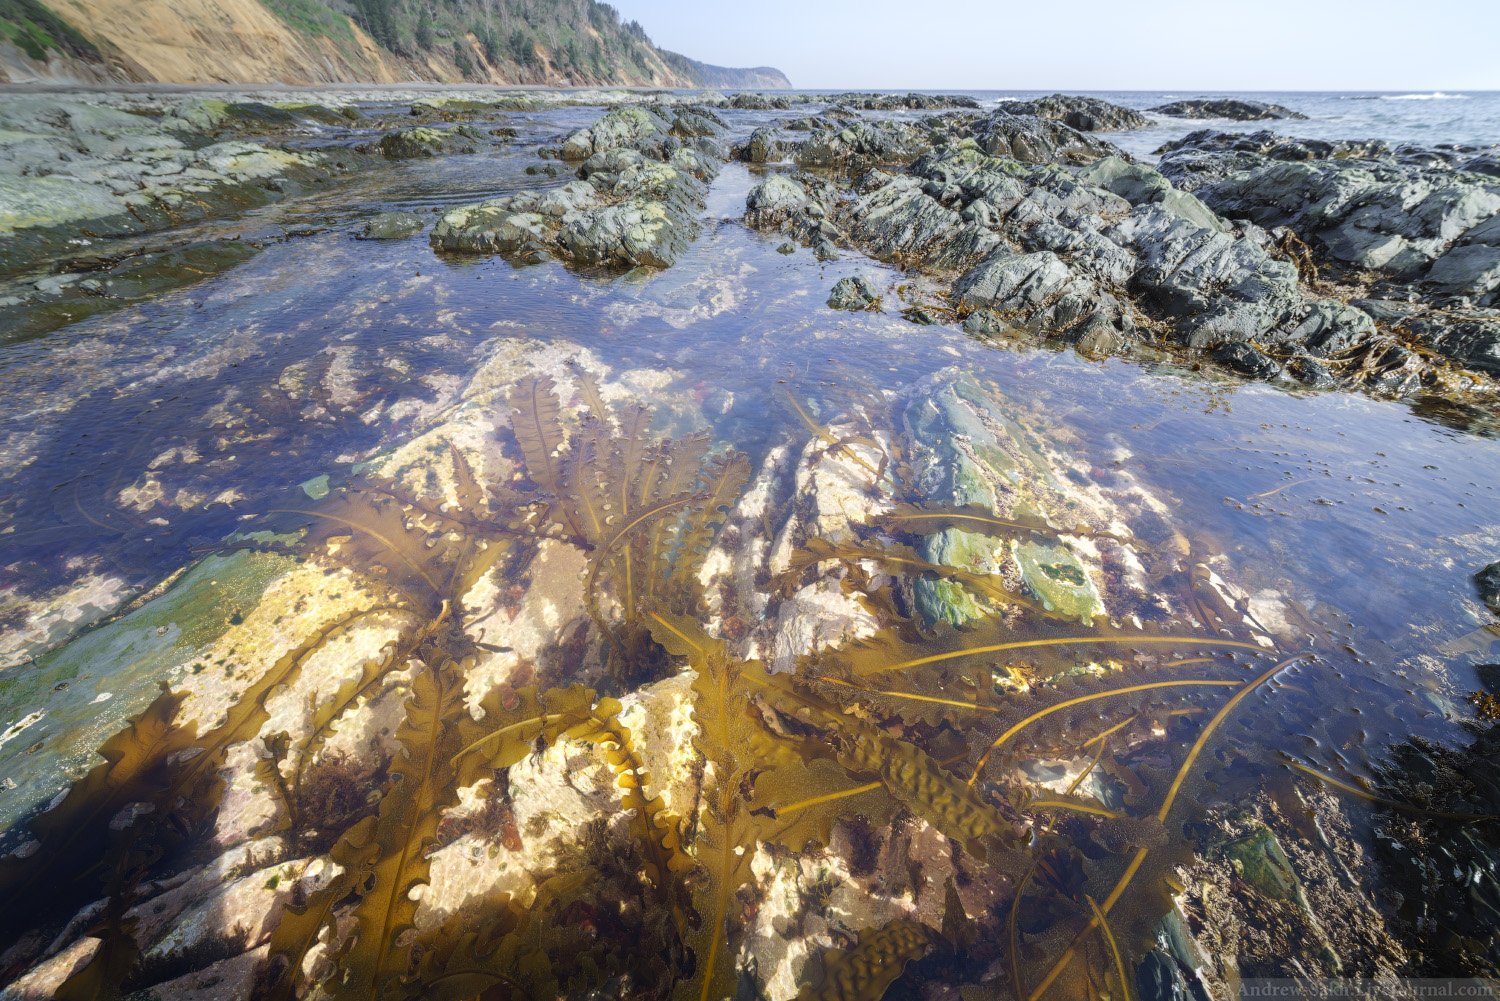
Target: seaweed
[[865, 971], [645, 510]]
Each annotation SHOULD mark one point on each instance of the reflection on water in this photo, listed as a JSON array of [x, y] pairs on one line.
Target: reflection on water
[[429, 443]]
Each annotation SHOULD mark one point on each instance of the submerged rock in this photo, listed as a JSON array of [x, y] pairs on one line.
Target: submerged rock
[[1235, 109], [392, 226]]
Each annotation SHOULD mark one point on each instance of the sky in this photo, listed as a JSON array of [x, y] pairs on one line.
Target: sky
[[1448, 45]]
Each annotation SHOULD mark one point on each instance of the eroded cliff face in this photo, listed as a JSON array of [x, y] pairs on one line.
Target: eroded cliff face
[[243, 41]]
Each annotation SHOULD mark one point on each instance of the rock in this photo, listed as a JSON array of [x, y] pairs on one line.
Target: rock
[[862, 144], [392, 226], [630, 127], [774, 202], [1040, 293], [527, 220], [1234, 109], [1036, 140], [900, 102], [637, 205], [1488, 582], [854, 294], [420, 141], [762, 147], [1247, 360], [1310, 372], [1086, 114], [787, 248]]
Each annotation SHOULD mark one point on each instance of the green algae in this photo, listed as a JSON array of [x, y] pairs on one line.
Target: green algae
[[100, 678]]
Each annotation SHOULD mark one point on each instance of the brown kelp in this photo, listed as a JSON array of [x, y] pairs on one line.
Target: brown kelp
[[917, 727]]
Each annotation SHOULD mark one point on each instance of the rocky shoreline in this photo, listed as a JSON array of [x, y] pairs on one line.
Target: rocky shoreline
[[550, 690]]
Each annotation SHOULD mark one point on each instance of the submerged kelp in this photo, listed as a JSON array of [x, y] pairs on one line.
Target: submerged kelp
[[920, 726]]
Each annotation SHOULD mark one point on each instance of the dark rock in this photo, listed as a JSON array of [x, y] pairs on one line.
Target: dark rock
[[1086, 114], [759, 102], [854, 294], [1036, 140], [903, 102], [1310, 372], [862, 144], [763, 147], [1230, 108], [1488, 582], [1247, 360]]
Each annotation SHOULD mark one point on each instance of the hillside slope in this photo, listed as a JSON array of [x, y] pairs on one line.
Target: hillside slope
[[548, 42]]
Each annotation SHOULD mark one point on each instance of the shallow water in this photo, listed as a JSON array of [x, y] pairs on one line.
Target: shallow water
[[135, 443]]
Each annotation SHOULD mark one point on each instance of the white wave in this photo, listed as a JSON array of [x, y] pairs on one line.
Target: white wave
[[1436, 95]]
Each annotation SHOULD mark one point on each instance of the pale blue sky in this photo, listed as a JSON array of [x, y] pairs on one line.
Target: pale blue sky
[[1092, 44]]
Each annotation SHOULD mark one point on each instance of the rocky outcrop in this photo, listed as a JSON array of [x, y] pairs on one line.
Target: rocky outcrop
[[1412, 229], [854, 294], [76, 168], [1029, 139], [1100, 256], [1233, 109], [419, 142], [1086, 114], [640, 190]]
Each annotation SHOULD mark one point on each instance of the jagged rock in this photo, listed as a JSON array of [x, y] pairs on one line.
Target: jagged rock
[[1247, 360], [1234, 109], [901, 102], [630, 127], [420, 141], [762, 147], [637, 204], [523, 220], [862, 144], [1042, 294], [1036, 140], [1488, 582], [1086, 114], [392, 226], [854, 294]]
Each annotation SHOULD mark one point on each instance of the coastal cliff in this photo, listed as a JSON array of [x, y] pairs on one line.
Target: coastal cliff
[[552, 43]]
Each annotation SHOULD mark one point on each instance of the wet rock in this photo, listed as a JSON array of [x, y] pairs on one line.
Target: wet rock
[[420, 141], [392, 226], [1247, 360], [764, 146], [1036, 140], [1310, 372], [1040, 293], [1086, 114], [633, 127], [1488, 582], [862, 144], [903, 102], [637, 205], [854, 294], [1141, 185], [1234, 109], [71, 169], [527, 220], [760, 102]]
